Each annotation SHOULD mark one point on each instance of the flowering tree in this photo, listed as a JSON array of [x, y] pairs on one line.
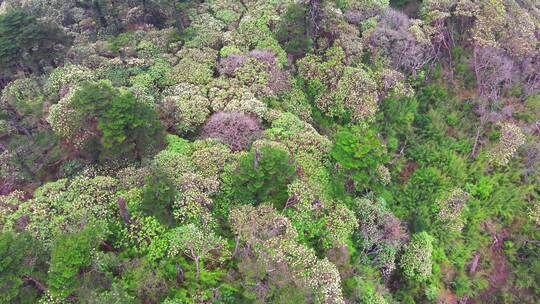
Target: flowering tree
[[196, 244], [258, 70], [271, 237], [405, 43], [97, 115], [511, 139], [237, 130], [451, 209], [416, 259], [381, 234], [184, 108]]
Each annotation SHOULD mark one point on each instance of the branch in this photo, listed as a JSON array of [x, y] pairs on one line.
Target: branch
[[39, 285]]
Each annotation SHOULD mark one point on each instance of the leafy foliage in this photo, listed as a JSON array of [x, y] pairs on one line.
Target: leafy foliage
[[352, 151], [262, 176], [126, 127], [359, 150], [25, 42], [69, 254]]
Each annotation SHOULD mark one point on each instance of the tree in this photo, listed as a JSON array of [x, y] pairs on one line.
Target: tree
[[511, 139], [263, 176], [158, 195], [381, 234], [184, 108], [350, 93], [272, 239], [258, 70], [493, 70], [340, 223], [237, 130], [298, 136], [359, 151], [106, 122], [25, 42], [33, 147], [197, 244], [396, 118], [451, 208], [416, 259], [21, 254], [292, 29], [405, 43], [67, 207], [69, 254]]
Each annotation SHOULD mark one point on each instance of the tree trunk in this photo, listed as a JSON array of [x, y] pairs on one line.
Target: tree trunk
[[39, 285], [313, 19], [179, 18], [197, 267], [179, 274], [99, 13], [124, 212], [236, 246]]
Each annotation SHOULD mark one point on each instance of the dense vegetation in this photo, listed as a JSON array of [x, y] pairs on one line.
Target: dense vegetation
[[351, 151]]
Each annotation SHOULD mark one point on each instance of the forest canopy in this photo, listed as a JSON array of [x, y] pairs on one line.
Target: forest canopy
[[250, 151]]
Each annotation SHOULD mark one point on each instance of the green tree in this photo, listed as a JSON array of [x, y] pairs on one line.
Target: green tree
[[159, 193], [107, 122], [263, 176], [196, 244], [69, 254], [396, 118], [20, 255], [292, 30], [26, 43], [359, 151]]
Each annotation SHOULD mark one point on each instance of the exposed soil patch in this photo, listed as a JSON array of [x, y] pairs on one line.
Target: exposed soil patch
[[498, 273], [408, 170]]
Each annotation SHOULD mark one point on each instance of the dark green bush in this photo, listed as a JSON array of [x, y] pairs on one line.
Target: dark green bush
[[262, 176]]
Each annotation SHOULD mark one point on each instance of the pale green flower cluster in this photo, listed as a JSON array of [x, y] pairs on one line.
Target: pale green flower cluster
[[511, 139], [451, 209], [416, 261], [272, 237], [186, 106]]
